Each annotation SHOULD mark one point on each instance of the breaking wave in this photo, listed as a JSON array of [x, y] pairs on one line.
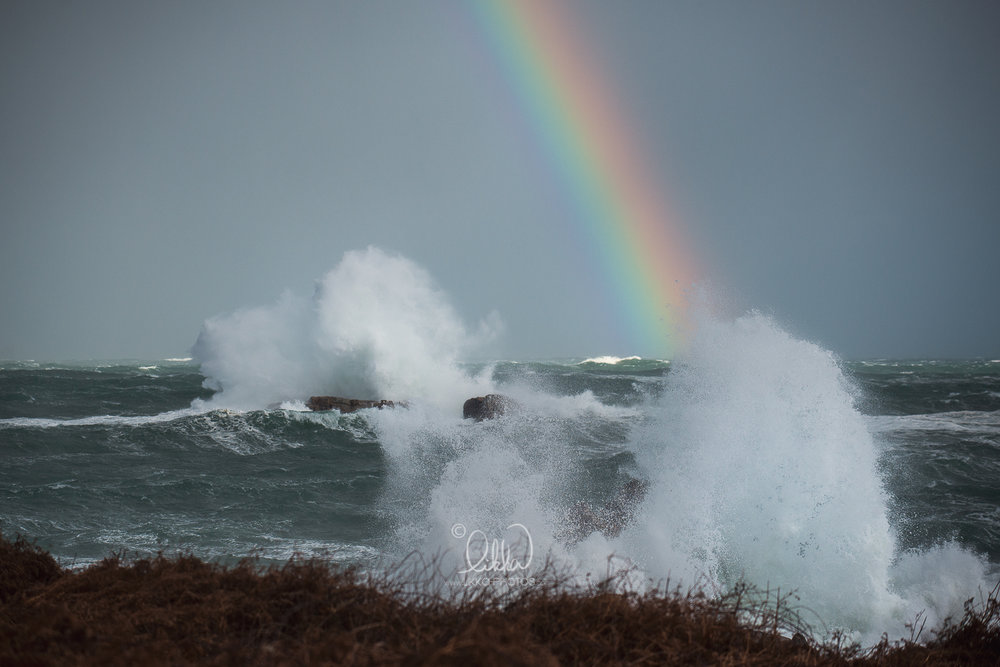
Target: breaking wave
[[376, 327], [757, 463]]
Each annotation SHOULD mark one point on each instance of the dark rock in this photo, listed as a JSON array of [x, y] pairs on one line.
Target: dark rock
[[583, 519], [489, 406], [619, 512], [345, 405]]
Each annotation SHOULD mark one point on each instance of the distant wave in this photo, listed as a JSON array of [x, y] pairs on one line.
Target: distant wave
[[610, 363], [100, 420], [957, 421], [608, 360]]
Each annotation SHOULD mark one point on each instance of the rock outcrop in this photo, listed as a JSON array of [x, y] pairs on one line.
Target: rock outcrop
[[345, 405], [489, 406], [609, 520]]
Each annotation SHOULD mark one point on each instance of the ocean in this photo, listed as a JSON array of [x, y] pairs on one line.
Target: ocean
[[870, 489]]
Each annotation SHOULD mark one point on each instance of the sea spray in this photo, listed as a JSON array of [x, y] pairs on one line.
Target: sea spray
[[759, 467], [764, 472], [376, 327], [449, 478]]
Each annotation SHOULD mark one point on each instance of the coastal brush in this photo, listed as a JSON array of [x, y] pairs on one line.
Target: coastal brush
[[184, 610]]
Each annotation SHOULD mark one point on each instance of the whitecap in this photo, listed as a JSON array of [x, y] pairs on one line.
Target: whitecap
[[608, 360]]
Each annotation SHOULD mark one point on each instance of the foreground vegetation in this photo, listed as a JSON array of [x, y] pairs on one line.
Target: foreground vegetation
[[183, 610]]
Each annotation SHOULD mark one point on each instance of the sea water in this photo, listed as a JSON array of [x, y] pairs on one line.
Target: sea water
[[866, 488]]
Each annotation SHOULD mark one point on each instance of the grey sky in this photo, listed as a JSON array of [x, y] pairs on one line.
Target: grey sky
[[160, 163]]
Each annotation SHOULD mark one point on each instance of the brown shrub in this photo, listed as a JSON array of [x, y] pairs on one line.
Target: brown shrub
[[182, 610], [24, 565]]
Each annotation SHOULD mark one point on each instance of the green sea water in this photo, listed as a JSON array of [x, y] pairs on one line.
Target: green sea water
[[134, 457]]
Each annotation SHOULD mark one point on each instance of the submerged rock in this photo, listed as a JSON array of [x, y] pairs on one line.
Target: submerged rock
[[611, 519], [489, 406], [345, 405]]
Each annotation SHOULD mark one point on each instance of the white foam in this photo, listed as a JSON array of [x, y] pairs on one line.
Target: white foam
[[760, 466], [101, 420], [764, 471], [447, 472], [377, 327], [609, 360]]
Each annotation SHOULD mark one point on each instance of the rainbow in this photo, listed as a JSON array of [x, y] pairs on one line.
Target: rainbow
[[615, 197]]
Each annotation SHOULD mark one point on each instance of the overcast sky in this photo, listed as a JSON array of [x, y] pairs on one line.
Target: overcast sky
[[835, 163]]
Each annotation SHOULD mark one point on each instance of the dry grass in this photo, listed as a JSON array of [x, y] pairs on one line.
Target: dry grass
[[182, 610]]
